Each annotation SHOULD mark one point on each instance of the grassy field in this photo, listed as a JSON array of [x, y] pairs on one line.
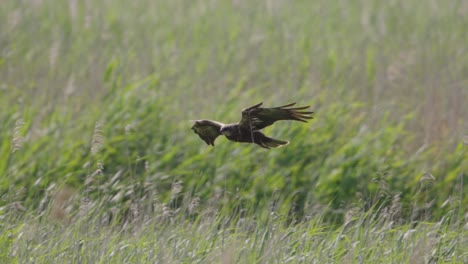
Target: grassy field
[[99, 164]]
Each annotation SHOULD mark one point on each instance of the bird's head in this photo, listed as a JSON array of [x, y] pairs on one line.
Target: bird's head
[[195, 126]]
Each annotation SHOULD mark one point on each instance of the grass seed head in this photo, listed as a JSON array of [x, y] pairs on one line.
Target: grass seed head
[[18, 139]]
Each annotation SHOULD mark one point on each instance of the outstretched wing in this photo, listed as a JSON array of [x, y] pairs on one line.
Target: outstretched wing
[[256, 117], [208, 130]]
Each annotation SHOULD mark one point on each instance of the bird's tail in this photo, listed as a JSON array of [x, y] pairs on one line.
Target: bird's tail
[[267, 142]]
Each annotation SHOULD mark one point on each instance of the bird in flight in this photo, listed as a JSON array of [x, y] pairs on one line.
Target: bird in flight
[[247, 130]]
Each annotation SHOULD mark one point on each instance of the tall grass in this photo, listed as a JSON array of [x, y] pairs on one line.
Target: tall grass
[[99, 164], [225, 237]]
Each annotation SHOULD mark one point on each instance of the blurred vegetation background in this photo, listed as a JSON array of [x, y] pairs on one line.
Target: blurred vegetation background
[[96, 99]]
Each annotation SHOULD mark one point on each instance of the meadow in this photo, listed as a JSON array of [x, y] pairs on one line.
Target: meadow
[[98, 163]]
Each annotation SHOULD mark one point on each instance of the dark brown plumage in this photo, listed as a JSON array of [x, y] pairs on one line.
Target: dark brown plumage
[[247, 129]]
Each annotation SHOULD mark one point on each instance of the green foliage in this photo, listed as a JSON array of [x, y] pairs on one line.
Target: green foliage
[[366, 237], [97, 98]]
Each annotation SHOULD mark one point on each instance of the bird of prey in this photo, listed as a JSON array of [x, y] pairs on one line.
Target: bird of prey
[[247, 130]]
